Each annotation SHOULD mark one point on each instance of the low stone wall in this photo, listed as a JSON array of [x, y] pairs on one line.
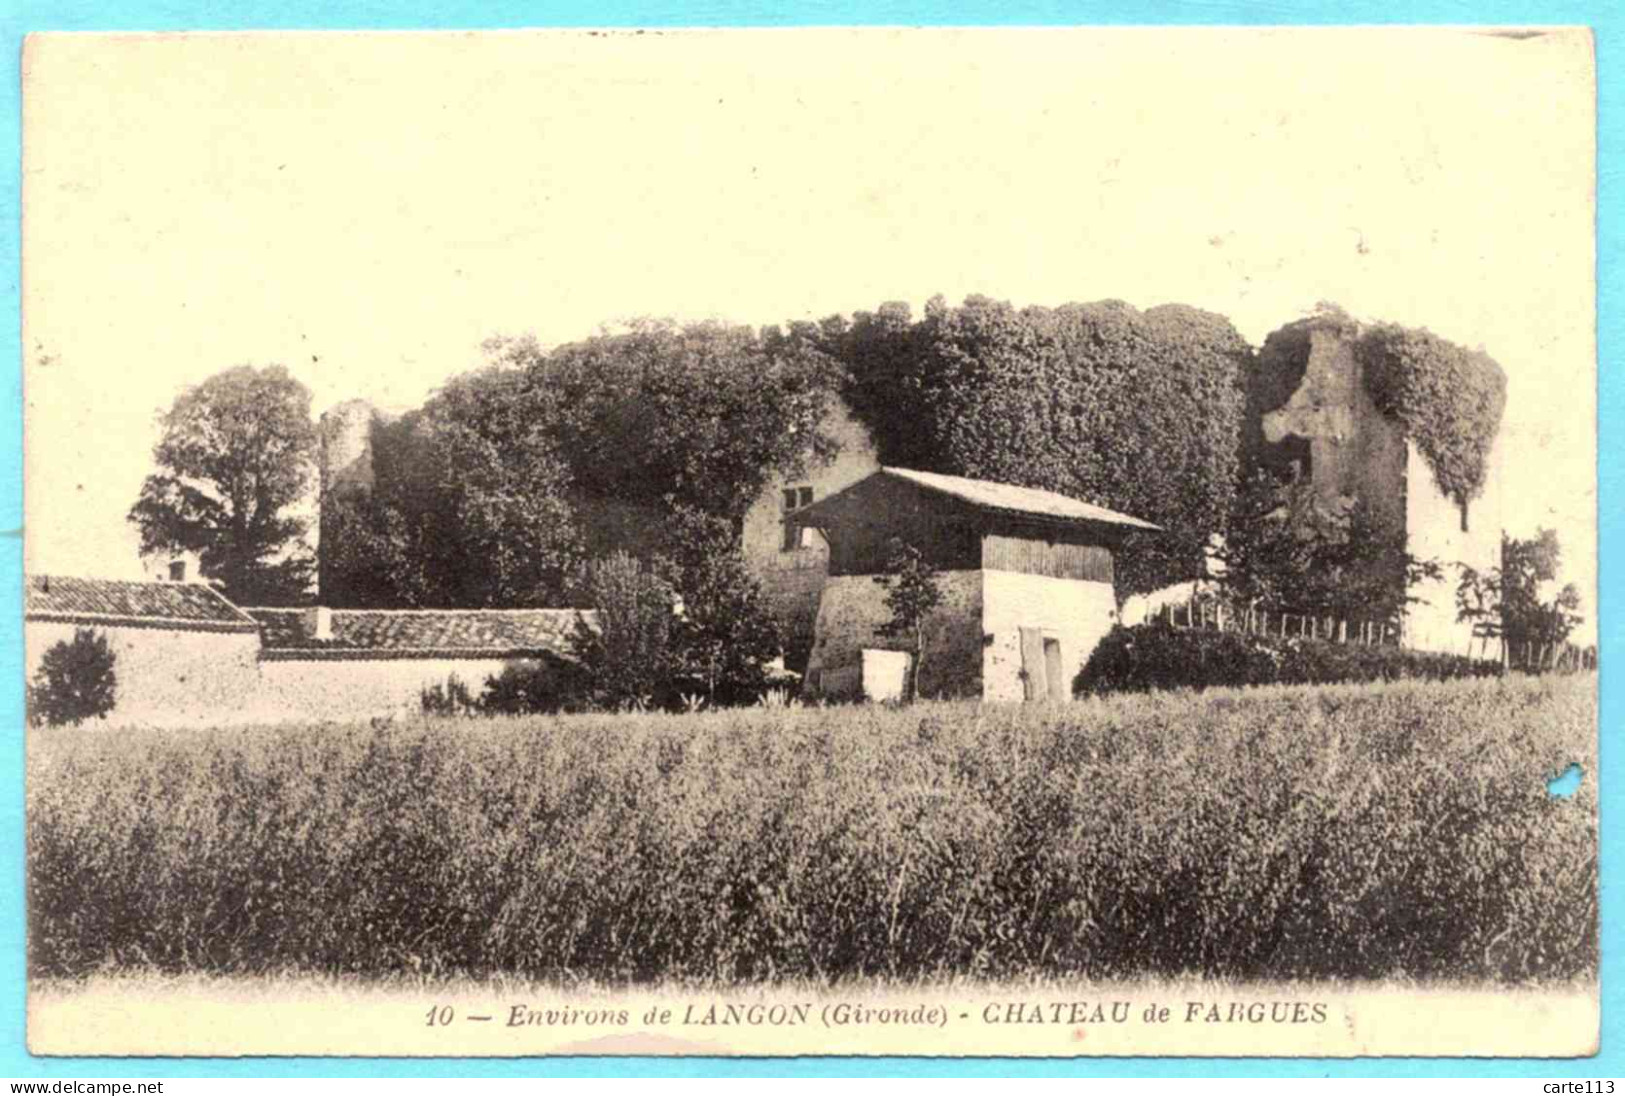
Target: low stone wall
[[359, 688], [176, 678]]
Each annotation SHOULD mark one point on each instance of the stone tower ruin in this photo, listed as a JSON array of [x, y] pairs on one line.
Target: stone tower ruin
[[344, 463], [1333, 430]]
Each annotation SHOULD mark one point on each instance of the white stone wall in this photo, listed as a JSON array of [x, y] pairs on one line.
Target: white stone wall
[[170, 678], [792, 580], [1078, 614], [851, 612], [345, 689], [165, 677], [1434, 522]]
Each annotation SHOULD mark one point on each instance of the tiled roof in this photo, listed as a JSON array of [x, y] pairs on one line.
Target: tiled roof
[[1016, 500], [182, 605], [419, 633]]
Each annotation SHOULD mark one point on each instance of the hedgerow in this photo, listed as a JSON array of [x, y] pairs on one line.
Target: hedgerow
[[1157, 655], [1373, 831]]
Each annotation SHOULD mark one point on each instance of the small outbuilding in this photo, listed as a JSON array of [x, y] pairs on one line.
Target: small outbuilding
[[1025, 577]]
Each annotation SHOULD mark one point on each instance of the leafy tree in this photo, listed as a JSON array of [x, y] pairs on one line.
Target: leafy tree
[[702, 415], [75, 681], [237, 452], [468, 507], [1515, 601], [913, 592], [1288, 549], [723, 637], [502, 483], [628, 658], [1137, 411]]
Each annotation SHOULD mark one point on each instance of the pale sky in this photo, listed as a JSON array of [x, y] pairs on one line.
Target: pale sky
[[367, 209]]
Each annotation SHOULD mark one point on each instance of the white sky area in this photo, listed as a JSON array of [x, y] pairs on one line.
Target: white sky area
[[367, 209]]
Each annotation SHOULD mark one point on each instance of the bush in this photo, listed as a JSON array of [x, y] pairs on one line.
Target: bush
[[628, 659], [528, 686], [451, 698], [1157, 655], [75, 681], [1368, 831]]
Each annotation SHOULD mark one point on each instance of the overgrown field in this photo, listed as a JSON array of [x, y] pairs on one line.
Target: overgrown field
[[1372, 831]]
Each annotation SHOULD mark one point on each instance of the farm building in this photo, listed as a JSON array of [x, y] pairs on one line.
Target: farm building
[[184, 654], [1025, 576], [179, 649], [362, 662]]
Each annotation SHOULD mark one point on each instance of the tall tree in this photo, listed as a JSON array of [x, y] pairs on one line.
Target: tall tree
[[468, 507], [913, 592], [237, 453], [1287, 549], [724, 636], [1520, 601]]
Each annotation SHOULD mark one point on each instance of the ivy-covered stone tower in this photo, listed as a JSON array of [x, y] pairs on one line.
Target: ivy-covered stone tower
[[1404, 421]]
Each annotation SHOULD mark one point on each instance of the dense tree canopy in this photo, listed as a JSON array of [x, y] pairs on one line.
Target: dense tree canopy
[[237, 453], [702, 415], [1137, 411], [495, 491], [468, 507]]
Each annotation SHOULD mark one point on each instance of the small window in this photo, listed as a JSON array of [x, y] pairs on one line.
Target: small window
[[794, 498], [177, 571]]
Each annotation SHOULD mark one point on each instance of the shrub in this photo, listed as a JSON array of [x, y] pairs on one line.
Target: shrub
[[627, 660], [75, 681], [451, 698], [724, 637], [528, 686], [1157, 655], [1367, 831]]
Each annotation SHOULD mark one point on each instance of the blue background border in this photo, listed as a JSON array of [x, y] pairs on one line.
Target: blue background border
[[1608, 22]]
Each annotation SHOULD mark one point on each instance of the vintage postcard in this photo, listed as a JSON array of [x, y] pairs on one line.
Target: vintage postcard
[[1025, 542]]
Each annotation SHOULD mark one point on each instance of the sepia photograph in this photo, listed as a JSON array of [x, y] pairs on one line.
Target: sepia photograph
[[1038, 542]]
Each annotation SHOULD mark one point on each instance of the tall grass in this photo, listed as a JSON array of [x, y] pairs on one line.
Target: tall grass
[[1350, 831]]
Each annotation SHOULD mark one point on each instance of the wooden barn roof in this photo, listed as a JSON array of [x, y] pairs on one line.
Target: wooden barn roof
[[183, 606], [983, 495], [420, 633]]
